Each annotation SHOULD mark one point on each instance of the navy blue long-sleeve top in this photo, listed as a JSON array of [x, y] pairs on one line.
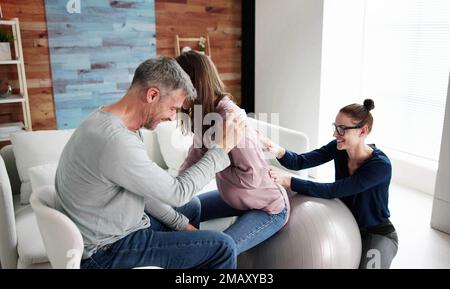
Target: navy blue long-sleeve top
[[365, 193]]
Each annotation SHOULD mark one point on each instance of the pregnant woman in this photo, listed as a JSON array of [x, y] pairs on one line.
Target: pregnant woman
[[245, 188]]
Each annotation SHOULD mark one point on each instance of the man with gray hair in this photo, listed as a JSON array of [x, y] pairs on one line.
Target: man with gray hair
[[131, 213]]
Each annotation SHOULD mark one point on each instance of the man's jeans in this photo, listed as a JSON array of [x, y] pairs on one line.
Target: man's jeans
[[251, 227], [158, 246]]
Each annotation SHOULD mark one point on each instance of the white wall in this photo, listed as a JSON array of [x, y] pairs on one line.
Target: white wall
[[341, 72], [413, 172], [341, 52], [288, 41], [440, 218]]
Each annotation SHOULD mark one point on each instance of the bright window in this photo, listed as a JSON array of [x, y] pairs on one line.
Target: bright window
[[406, 64], [396, 52]]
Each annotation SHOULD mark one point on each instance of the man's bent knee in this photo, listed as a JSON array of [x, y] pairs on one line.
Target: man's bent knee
[[226, 251], [195, 202]]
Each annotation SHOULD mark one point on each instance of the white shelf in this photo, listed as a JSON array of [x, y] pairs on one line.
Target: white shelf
[[8, 22], [7, 128], [12, 99], [22, 99], [15, 61]]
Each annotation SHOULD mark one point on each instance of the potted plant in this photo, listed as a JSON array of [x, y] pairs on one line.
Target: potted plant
[[202, 45], [5, 89], [5, 47]]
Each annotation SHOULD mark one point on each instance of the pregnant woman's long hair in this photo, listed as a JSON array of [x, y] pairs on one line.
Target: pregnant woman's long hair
[[207, 82]]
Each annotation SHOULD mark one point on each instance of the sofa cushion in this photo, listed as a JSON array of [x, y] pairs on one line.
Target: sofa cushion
[[43, 175], [36, 148], [173, 145], [30, 246], [152, 146], [21, 265]]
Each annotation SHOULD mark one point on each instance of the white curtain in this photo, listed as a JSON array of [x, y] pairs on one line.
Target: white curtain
[[405, 67]]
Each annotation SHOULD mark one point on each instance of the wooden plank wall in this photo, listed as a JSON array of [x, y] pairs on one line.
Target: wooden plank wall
[[33, 29], [94, 53], [220, 18]]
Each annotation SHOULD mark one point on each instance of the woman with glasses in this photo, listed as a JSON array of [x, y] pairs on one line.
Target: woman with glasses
[[362, 178]]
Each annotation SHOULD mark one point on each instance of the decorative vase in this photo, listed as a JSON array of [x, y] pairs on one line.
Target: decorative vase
[[5, 51], [6, 92]]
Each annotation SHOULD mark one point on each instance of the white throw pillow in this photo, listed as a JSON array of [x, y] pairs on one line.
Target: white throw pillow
[[43, 175], [173, 144], [36, 148]]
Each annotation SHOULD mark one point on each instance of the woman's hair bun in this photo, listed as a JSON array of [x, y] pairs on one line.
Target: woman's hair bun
[[369, 104]]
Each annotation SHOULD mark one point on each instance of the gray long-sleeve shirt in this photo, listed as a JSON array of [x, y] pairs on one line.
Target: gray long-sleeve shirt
[[105, 180]]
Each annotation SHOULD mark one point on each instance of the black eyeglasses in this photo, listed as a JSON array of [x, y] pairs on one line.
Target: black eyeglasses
[[340, 129]]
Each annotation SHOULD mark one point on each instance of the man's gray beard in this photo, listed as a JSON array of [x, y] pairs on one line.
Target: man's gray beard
[[148, 123]]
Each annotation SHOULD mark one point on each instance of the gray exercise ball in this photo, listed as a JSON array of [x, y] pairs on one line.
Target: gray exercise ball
[[320, 233]]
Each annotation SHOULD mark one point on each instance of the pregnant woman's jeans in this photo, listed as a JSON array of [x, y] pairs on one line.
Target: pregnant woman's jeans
[[251, 227]]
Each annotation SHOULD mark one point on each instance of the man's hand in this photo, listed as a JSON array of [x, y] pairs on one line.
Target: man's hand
[[280, 178], [270, 146], [190, 228], [234, 130]]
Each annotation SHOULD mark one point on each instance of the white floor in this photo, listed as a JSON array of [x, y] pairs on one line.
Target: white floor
[[420, 246]]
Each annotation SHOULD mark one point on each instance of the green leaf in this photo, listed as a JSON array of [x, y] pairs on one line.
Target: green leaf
[[6, 37]]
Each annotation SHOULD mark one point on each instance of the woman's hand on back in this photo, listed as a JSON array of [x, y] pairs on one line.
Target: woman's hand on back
[[281, 178], [269, 146]]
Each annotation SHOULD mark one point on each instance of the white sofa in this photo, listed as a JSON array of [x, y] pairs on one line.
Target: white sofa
[[21, 245]]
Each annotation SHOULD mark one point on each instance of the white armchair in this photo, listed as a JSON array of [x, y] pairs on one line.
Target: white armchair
[[62, 239], [8, 236]]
